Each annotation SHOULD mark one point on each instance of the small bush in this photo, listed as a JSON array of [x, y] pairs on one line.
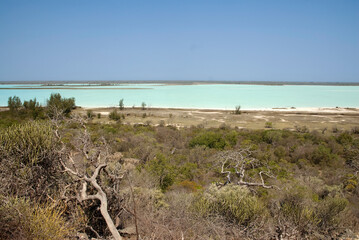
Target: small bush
[[162, 169], [22, 219], [29, 144], [302, 129], [114, 115], [121, 105], [33, 108], [268, 125], [32, 104], [14, 103], [237, 111], [355, 130], [209, 139], [190, 185], [56, 105], [234, 202], [162, 123], [90, 114]]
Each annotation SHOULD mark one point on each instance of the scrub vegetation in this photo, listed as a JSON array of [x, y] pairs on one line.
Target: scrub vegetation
[[65, 175]]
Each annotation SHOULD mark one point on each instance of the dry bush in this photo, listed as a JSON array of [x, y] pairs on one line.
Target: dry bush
[[235, 203], [171, 216], [28, 144], [308, 209], [22, 219], [29, 160]]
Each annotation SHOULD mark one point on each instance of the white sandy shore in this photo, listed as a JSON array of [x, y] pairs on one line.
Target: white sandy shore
[[105, 109], [203, 110]]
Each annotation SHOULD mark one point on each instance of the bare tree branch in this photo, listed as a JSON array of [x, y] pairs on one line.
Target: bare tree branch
[[241, 161], [85, 144]]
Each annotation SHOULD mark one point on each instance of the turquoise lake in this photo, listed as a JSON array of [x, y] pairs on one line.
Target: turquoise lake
[[211, 96]]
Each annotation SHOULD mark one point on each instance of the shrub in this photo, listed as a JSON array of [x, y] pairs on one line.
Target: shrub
[[268, 125], [329, 213], [90, 114], [29, 144], [56, 105], [22, 219], [302, 129], [355, 130], [29, 160], [143, 105], [114, 115], [33, 108], [344, 138], [237, 110], [209, 139], [295, 209], [160, 167], [231, 138], [121, 105], [98, 115], [322, 154], [32, 104], [14, 103], [190, 185], [234, 202]]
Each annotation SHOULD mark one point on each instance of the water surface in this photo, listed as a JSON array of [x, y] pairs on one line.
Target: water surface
[[212, 96]]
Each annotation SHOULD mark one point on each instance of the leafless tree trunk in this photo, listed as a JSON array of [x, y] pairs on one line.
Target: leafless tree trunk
[[241, 161], [94, 156]]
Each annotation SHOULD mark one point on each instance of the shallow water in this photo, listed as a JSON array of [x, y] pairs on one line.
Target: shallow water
[[212, 96]]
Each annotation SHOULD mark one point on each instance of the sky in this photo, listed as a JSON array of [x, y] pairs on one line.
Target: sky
[[232, 40]]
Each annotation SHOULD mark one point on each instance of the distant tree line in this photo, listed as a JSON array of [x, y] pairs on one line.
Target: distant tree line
[[56, 106]]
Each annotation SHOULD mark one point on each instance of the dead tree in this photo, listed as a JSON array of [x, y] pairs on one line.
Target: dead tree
[[241, 161], [96, 155]]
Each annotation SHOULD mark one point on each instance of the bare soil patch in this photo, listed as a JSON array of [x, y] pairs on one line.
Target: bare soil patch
[[329, 119]]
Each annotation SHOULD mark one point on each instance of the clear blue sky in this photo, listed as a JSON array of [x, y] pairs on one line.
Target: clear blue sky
[[303, 40]]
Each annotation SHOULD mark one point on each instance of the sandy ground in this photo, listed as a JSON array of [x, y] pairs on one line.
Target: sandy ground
[[312, 118]]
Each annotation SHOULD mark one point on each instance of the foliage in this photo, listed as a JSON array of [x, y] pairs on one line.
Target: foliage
[[114, 115], [90, 114], [56, 105], [234, 202], [29, 160], [314, 174], [29, 144], [121, 104], [268, 125], [32, 104], [161, 168], [209, 139], [321, 214], [237, 110], [143, 105], [14, 103], [22, 219], [33, 108]]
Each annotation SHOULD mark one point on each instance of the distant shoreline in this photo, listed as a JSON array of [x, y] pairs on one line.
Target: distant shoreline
[[120, 82], [307, 110], [299, 110]]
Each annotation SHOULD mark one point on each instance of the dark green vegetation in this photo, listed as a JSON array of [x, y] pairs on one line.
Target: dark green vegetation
[[173, 178], [237, 110], [121, 104], [58, 106], [19, 112]]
